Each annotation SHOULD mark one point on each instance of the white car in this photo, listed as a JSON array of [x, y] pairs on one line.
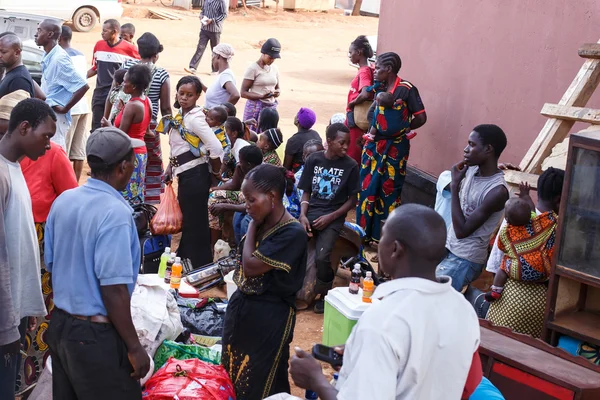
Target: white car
[[25, 27], [84, 14]]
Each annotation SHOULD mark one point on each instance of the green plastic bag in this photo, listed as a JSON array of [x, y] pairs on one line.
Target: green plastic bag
[[181, 351]]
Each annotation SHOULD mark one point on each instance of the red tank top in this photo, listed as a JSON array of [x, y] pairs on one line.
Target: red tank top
[[138, 131]]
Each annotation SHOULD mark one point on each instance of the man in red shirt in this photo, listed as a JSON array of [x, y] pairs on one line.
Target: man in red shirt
[[109, 54], [47, 178]]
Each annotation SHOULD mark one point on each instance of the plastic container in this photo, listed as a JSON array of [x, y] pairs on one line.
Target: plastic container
[[169, 268], [176, 274], [368, 288], [231, 286], [342, 311], [166, 256]]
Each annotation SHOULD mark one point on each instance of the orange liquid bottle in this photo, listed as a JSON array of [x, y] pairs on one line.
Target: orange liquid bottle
[[176, 274], [368, 288]]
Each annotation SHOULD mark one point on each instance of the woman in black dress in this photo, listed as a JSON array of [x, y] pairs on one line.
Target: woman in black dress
[[261, 315]]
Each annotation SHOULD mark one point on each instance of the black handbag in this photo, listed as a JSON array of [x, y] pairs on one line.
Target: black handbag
[[142, 215]]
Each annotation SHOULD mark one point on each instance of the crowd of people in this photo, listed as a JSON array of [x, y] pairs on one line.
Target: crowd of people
[[70, 255]]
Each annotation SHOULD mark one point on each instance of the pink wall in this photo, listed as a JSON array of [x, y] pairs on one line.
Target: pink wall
[[485, 61]]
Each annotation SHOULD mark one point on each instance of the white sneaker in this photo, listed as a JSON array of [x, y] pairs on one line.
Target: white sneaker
[[190, 70]]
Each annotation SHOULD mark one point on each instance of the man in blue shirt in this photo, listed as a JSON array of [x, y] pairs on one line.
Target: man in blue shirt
[[93, 253], [61, 83]]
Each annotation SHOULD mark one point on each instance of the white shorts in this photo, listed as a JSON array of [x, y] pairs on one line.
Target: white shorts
[[77, 137]]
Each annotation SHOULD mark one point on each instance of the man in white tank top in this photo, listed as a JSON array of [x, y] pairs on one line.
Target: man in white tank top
[[479, 192]]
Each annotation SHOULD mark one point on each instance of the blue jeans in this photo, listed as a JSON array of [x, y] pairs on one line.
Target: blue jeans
[[240, 226], [10, 363], [461, 271]]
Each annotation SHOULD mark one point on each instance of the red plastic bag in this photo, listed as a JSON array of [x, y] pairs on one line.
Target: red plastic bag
[[191, 379], [168, 218]]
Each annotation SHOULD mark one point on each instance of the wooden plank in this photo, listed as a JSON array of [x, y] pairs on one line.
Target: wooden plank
[[590, 50], [588, 115], [163, 14], [555, 131], [514, 178]]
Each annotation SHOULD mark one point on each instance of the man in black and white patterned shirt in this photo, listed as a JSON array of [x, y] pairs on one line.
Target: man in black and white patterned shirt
[[212, 16]]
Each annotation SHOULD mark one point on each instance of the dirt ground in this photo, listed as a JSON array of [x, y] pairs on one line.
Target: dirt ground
[[314, 68], [314, 72]]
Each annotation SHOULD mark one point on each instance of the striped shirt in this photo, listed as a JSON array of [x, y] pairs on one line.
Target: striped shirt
[[217, 11], [60, 79], [158, 79]]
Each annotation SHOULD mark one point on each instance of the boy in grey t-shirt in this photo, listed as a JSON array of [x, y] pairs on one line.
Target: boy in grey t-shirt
[[30, 128], [478, 196]]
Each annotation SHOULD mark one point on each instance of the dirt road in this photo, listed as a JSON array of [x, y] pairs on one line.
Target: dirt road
[[314, 72], [314, 69]]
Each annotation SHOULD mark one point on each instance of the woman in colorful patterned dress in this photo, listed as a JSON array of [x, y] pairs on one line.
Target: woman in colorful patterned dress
[[260, 318], [527, 256], [384, 157]]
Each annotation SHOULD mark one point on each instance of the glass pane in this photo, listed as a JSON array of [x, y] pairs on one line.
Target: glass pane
[[580, 248]]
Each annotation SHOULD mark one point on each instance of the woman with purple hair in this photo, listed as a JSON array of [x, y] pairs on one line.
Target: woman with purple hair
[[304, 121]]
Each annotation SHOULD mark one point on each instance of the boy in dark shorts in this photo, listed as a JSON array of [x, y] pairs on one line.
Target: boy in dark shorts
[[330, 182]]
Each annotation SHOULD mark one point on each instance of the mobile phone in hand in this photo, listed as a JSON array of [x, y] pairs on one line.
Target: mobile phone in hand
[[327, 354]]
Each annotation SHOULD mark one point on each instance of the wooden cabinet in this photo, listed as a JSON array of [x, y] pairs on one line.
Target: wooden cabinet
[[522, 367], [573, 306]]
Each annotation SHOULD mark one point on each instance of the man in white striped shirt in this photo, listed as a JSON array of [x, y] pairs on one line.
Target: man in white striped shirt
[[212, 16]]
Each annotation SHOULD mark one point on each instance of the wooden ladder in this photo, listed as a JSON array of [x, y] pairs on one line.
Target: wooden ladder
[[562, 117]]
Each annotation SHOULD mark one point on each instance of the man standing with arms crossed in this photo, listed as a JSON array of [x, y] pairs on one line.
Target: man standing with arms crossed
[[109, 54], [96, 353], [212, 16], [61, 83]]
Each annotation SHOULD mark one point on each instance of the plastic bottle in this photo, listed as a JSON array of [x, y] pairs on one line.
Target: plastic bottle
[[335, 379], [355, 280], [176, 274], [163, 262], [368, 288], [169, 268], [310, 395]]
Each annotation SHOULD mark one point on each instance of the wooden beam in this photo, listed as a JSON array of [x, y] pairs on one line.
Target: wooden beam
[[555, 130], [590, 50], [588, 115], [514, 178], [357, 7]]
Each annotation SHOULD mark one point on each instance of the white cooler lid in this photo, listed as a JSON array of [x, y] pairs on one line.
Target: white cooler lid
[[350, 305]]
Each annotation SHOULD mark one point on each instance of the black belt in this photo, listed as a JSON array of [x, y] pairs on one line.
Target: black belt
[[181, 159]]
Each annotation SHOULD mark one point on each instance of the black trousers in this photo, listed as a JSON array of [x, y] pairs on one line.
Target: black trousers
[[205, 36], [193, 200], [97, 112], [10, 365], [89, 361], [324, 242]]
